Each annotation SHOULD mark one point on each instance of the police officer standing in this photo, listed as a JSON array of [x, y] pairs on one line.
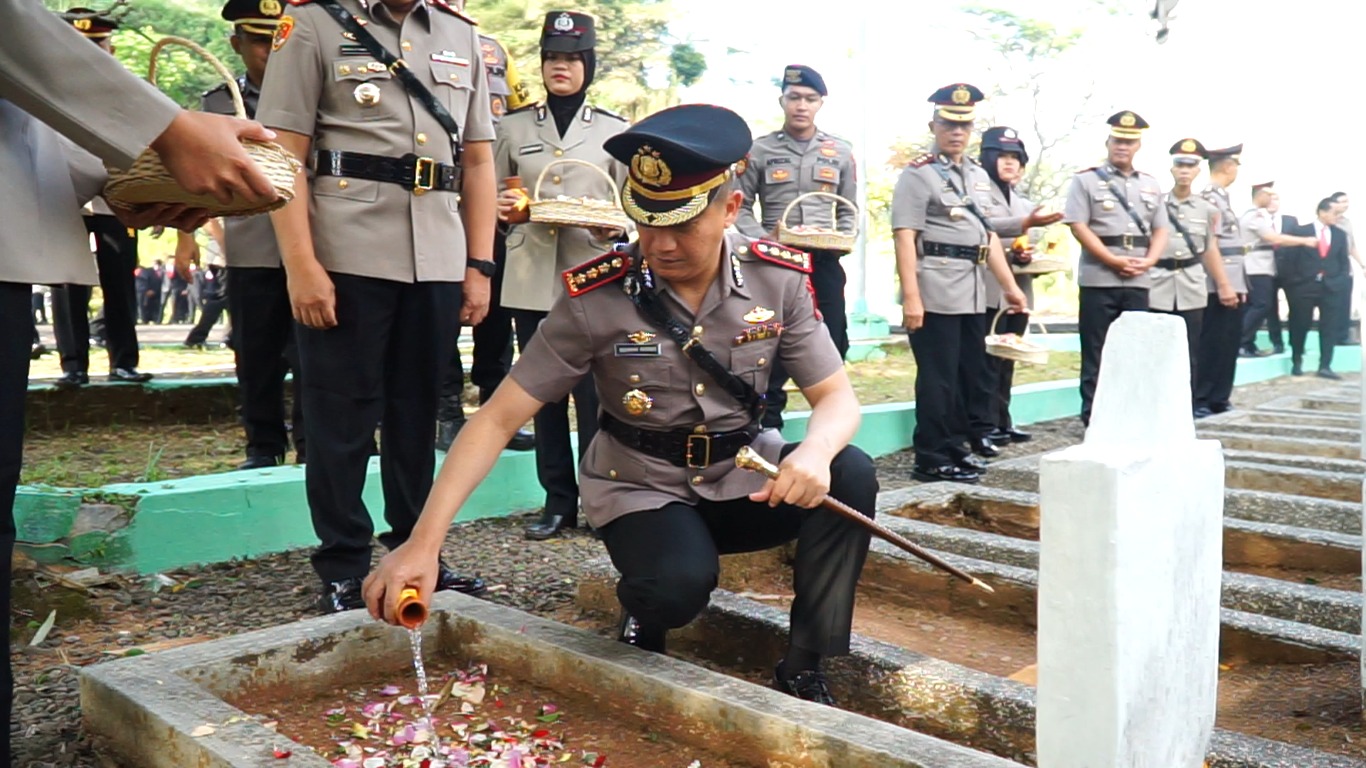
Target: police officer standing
[[1116, 214], [944, 246], [790, 162], [1179, 277], [257, 295], [660, 481], [1260, 267], [382, 248]]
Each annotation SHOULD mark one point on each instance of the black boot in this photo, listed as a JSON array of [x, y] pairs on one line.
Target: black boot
[[630, 631], [807, 685], [551, 523]]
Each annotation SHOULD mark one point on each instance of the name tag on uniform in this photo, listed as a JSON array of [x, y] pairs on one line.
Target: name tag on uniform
[[531, 149], [982, 186], [353, 50], [637, 350], [778, 161], [449, 57], [759, 333]]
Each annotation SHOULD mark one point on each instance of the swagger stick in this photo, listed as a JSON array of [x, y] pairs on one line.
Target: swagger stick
[[749, 459]]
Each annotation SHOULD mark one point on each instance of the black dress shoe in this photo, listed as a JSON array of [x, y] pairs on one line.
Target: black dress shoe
[[129, 375], [982, 446], [972, 464], [446, 430], [1019, 436], [1221, 407], [999, 436], [630, 631], [37, 351], [1296, 369], [344, 595], [262, 461], [947, 473], [1202, 413], [1327, 373], [809, 685], [522, 441], [447, 580], [550, 524], [1278, 350], [73, 380]]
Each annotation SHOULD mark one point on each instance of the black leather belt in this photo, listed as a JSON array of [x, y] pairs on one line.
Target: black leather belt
[[1235, 250], [681, 448], [419, 174], [1127, 242], [1175, 264], [974, 253]]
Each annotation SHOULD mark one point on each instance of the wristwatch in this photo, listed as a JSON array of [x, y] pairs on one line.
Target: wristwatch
[[485, 267]]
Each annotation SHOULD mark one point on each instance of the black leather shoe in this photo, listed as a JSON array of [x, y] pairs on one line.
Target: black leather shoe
[[447, 580], [1019, 436], [1278, 350], [73, 380], [522, 441], [948, 473], [446, 430], [344, 595], [37, 351], [999, 436], [129, 375], [1249, 352], [982, 446], [1202, 413], [630, 631], [1296, 369], [1221, 407], [972, 464], [550, 525], [261, 462], [809, 685], [1327, 373]]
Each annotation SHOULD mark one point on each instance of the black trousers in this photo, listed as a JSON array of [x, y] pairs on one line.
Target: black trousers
[[1273, 318], [492, 347], [1261, 307], [149, 306], [1000, 372], [39, 308], [1334, 309], [209, 311], [828, 281], [1099, 308], [950, 355], [380, 366], [116, 256], [668, 557], [1195, 321], [1220, 339], [16, 325], [555, 465], [264, 350]]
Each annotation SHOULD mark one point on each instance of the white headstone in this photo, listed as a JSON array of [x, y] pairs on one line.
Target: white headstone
[[1131, 555]]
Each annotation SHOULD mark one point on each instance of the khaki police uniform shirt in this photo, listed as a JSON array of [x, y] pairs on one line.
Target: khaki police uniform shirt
[[1007, 218], [1231, 235], [507, 92], [1179, 290], [782, 168], [528, 145], [374, 228], [938, 211], [592, 333], [1261, 260], [1093, 202], [249, 240], [54, 82]]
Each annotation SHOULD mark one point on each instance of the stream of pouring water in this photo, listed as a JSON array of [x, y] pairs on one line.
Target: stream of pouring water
[[415, 639]]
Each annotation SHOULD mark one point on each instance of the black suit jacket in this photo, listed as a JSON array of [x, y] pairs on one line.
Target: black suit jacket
[[1302, 267]]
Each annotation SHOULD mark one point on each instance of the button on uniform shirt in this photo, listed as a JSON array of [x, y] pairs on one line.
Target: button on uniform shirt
[[599, 332], [1231, 235], [938, 210], [1007, 217], [782, 168], [1094, 202], [528, 145], [249, 240], [374, 228], [1261, 260], [1184, 289]]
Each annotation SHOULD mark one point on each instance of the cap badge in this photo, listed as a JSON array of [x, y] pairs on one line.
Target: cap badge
[[961, 95], [269, 8], [564, 23], [650, 169], [793, 75], [1009, 133], [82, 24], [1127, 120], [1188, 146]]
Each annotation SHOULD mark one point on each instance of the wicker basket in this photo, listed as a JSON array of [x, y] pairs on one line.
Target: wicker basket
[[818, 239], [1012, 346], [1041, 265], [148, 182], [578, 212]]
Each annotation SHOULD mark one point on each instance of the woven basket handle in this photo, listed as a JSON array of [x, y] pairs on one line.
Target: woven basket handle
[[239, 108], [997, 319], [788, 210], [611, 183]]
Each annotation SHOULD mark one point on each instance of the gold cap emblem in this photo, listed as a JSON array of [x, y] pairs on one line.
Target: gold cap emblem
[[1128, 120], [1188, 145], [636, 402], [82, 24], [647, 167], [759, 315], [961, 95], [793, 75], [269, 8], [641, 337]]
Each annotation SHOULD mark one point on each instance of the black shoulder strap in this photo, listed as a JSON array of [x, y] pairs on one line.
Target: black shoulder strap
[[1124, 201], [399, 68], [967, 199], [649, 304], [1185, 233]]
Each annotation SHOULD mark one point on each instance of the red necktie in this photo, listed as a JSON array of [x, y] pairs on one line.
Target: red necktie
[[1323, 243]]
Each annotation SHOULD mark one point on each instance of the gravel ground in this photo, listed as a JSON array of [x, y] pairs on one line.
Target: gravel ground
[[214, 601]]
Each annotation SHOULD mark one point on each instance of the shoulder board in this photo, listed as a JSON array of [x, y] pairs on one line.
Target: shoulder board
[[445, 6], [602, 111], [781, 254], [524, 108], [923, 160], [607, 268]]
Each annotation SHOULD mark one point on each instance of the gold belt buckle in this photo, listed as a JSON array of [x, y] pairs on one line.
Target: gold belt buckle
[[1126, 242], [982, 252], [693, 441], [424, 175]]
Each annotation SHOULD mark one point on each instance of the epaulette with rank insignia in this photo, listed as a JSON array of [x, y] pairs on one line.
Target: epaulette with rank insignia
[[781, 254], [596, 273], [923, 160], [448, 8]]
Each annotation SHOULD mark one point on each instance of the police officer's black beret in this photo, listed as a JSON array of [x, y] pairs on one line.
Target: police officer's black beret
[[568, 32], [89, 24], [800, 74], [257, 17], [1188, 152], [676, 159], [956, 103], [1003, 139], [1127, 125]]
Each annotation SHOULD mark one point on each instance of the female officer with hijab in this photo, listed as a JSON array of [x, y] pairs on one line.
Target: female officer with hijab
[[563, 127]]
